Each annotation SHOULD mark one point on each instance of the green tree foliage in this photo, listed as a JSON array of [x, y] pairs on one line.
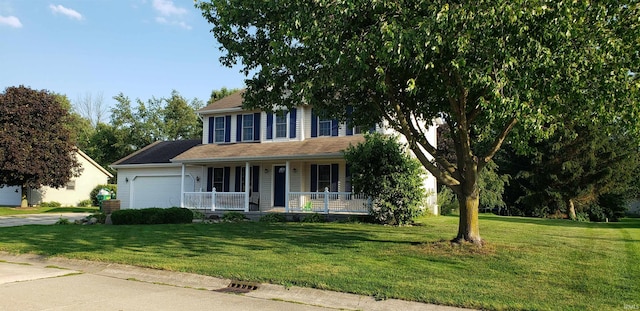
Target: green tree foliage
[[579, 168], [382, 169], [36, 144], [156, 119], [220, 94], [80, 127], [180, 119], [489, 68]]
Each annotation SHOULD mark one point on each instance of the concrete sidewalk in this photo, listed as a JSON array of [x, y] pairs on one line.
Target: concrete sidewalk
[[39, 219], [30, 282]]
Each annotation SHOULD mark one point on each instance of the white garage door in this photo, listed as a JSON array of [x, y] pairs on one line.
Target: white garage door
[[158, 191]]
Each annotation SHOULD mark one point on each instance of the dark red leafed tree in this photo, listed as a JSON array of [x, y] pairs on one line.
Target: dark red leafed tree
[[36, 145]]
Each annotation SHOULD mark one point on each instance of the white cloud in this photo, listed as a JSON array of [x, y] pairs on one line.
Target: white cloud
[[167, 8], [10, 21], [71, 13], [169, 14], [162, 20]]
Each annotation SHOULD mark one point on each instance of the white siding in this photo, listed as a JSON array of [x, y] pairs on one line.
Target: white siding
[[133, 184]]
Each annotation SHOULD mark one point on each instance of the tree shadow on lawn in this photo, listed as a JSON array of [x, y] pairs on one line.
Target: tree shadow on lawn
[[191, 239], [624, 223]]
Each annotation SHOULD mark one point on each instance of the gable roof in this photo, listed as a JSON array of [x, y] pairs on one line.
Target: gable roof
[[158, 152], [320, 147], [230, 102], [94, 163]]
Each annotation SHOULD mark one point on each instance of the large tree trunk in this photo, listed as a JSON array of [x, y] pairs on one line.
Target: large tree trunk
[[468, 229], [571, 209], [23, 200]]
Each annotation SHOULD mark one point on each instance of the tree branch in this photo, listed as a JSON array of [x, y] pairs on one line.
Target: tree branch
[[497, 143]]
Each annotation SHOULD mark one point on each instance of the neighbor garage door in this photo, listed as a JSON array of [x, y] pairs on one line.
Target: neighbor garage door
[[158, 191]]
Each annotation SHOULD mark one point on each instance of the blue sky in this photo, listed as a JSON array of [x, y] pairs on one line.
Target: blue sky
[[142, 48]]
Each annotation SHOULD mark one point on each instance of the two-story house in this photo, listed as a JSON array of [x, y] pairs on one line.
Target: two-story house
[[250, 160]]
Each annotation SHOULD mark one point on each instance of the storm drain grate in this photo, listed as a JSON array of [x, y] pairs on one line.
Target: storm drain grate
[[238, 287]]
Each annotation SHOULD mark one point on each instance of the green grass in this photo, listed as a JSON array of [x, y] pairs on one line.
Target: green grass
[[8, 211], [532, 264]]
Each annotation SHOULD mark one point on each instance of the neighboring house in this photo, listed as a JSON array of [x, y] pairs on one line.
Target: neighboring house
[[250, 160], [76, 190]]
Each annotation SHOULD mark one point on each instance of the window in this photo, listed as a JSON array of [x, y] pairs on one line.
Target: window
[[218, 178], [324, 127], [247, 127], [281, 125], [324, 177], [71, 185], [219, 127]]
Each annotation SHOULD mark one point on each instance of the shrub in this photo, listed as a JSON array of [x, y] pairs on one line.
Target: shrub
[[50, 204], [273, 217], [447, 201], [92, 195], [233, 217], [382, 170], [85, 203], [614, 206], [63, 221], [315, 217], [148, 216]]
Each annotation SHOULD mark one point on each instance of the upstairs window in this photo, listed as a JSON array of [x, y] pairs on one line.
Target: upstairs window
[[219, 127], [324, 127], [281, 125], [247, 127]]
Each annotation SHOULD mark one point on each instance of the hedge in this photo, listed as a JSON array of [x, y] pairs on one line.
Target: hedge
[[149, 216]]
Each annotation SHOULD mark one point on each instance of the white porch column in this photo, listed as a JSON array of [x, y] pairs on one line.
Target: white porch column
[[182, 186], [247, 183], [287, 179]]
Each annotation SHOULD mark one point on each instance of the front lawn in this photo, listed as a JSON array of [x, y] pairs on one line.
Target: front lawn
[[7, 211], [534, 264]]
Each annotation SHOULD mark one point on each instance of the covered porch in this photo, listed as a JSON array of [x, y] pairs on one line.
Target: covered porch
[[275, 187], [304, 176]]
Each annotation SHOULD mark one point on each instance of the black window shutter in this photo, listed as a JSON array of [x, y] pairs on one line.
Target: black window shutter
[[292, 123], [314, 178], [227, 129], [256, 179], [334, 127], [239, 128], [314, 124], [238, 173], [209, 178], [269, 125], [227, 172], [211, 124]]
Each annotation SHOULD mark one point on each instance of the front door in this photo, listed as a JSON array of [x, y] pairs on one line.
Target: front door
[[279, 178]]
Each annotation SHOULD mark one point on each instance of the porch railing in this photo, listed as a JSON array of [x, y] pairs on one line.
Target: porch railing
[[228, 201], [319, 202], [328, 202]]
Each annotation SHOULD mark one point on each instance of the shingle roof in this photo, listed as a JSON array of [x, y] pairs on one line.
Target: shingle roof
[[158, 152], [321, 147], [231, 101]]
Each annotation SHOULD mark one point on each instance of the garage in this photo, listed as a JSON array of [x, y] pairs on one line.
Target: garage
[[158, 191]]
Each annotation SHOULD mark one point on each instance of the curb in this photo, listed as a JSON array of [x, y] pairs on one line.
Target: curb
[[301, 295]]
